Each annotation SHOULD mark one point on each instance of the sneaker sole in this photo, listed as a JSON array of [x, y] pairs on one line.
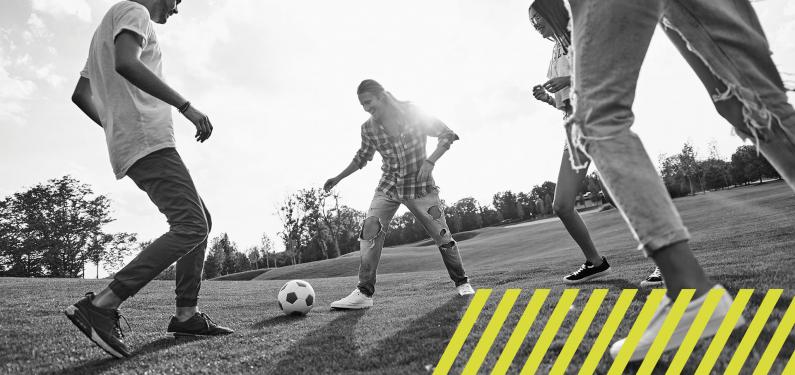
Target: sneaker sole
[[709, 331], [347, 307], [651, 284], [592, 277], [182, 334], [78, 319]]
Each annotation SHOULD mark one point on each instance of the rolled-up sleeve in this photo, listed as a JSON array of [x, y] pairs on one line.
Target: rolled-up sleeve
[[439, 130], [366, 150]]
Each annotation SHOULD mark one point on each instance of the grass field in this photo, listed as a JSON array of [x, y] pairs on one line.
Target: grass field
[[743, 237]]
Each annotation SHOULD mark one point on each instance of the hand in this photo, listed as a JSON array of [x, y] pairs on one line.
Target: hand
[[203, 126], [425, 171], [558, 83], [330, 183], [540, 94]]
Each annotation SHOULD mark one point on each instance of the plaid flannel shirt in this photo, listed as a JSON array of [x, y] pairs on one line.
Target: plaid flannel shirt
[[403, 155]]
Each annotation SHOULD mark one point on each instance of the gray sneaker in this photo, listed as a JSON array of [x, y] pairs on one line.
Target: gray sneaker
[[100, 325]]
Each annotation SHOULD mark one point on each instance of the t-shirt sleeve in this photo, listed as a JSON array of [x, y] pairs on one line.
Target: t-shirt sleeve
[[134, 18], [84, 72]]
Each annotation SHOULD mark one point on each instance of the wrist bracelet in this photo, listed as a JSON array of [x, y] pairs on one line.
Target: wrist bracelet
[[184, 107], [429, 161]]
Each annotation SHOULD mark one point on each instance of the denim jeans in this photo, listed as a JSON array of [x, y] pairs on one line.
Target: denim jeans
[[164, 177], [429, 212], [724, 44]]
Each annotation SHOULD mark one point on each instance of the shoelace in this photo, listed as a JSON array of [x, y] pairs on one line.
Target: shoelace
[[207, 320], [582, 269], [656, 273], [118, 329]]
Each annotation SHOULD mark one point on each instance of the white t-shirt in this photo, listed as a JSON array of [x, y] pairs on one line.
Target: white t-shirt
[[560, 66], [136, 123]]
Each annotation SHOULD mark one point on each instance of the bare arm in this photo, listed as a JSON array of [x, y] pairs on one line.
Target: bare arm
[[331, 182], [129, 66], [363, 155], [82, 98]]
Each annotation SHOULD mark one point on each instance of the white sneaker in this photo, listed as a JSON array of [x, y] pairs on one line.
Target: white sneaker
[[354, 301], [465, 289], [684, 324]]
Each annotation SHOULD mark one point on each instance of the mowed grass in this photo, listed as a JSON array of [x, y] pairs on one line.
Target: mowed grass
[[743, 238]]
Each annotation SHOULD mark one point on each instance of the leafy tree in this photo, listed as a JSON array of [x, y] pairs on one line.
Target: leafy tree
[[468, 209], [47, 230], [505, 203], [111, 249]]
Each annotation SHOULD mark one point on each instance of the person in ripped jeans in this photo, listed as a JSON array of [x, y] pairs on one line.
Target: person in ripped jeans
[[725, 45], [398, 131]]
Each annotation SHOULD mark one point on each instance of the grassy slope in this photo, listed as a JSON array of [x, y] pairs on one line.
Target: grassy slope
[[742, 237]]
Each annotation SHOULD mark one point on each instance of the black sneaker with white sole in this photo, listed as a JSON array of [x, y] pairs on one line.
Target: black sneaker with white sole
[[100, 325], [654, 280], [198, 325], [587, 272]]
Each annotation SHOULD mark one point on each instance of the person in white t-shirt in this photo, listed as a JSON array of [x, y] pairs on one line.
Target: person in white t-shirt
[[121, 88]]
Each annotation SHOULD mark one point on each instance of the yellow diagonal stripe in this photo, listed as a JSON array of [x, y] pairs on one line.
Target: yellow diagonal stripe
[[666, 331], [790, 368], [549, 332], [774, 347], [608, 330], [520, 332], [579, 330], [461, 333], [694, 334], [725, 330], [752, 334], [644, 317], [495, 324]]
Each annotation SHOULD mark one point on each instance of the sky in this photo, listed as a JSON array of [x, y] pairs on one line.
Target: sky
[[278, 81]]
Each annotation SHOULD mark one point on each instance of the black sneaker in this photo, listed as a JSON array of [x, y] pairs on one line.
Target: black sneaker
[[654, 280], [588, 272], [100, 325], [198, 325]]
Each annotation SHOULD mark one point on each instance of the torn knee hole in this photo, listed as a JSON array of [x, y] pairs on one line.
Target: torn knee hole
[[447, 246], [435, 212], [371, 228]]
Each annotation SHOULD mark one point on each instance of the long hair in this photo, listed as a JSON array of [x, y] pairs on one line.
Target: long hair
[[557, 17], [372, 86]]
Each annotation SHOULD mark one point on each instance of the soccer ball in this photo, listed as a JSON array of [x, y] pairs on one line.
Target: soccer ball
[[296, 297]]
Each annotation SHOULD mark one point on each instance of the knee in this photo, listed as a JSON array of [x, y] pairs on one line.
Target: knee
[[562, 209], [447, 246], [435, 212], [195, 231], [371, 228]]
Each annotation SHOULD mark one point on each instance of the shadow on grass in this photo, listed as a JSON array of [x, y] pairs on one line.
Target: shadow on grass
[[277, 321], [102, 365], [334, 348]]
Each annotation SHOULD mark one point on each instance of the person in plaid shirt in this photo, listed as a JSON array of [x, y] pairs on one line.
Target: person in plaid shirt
[[398, 131]]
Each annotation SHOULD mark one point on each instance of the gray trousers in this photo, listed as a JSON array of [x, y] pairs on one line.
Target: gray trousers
[[164, 177]]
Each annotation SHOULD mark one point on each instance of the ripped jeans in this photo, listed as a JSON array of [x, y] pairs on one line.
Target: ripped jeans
[[724, 44], [429, 212]]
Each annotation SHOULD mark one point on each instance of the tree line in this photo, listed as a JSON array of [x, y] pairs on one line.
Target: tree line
[[686, 174], [55, 229]]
